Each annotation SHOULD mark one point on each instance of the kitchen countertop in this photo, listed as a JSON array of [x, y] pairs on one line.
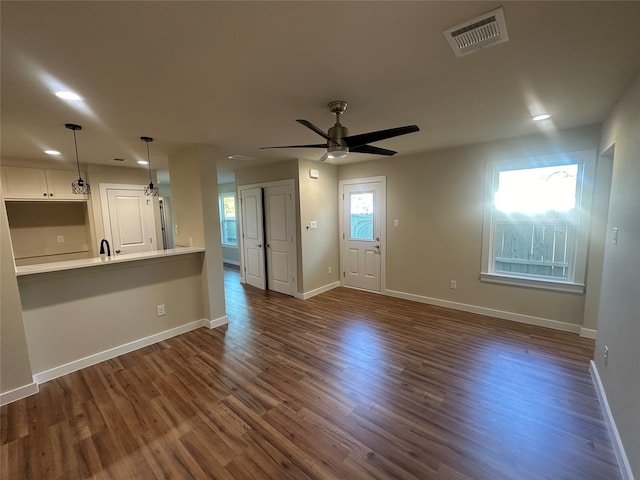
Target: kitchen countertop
[[100, 261]]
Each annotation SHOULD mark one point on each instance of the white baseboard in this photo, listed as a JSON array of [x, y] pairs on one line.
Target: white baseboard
[[318, 291], [218, 322], [516, 317], [588, 333], [18, 393], [81, 363], [618, 447]]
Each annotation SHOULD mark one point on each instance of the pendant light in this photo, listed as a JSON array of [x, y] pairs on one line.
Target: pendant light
[[79, 186], [151, 190]]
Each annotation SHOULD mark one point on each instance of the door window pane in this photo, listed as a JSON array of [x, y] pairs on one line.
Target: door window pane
[[361, 216]]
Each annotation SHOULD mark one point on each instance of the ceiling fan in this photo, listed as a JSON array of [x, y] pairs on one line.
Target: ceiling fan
[[340, 143]]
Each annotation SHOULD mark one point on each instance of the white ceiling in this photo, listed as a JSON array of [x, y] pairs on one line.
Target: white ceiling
[[236, 75]]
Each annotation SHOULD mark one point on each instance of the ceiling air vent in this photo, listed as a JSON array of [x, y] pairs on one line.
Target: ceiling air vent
[[480, 32]]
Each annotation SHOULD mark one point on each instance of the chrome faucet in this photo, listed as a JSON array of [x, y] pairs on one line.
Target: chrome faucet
[[102, 243]]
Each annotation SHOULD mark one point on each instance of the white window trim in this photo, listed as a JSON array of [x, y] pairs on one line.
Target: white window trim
[[221, 196], [576, 284]]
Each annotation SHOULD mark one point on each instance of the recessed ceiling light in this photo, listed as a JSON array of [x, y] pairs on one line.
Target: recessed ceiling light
[[68, 95], [52, 152], [542, 116], [239, 156], [143, 162]]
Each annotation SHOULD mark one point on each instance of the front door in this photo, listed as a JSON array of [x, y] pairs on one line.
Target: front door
[[129, 222], [253, 237], [280, 228], [362, 246]]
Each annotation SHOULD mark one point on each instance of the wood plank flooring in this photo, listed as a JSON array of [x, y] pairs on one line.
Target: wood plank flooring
[[345, 385]]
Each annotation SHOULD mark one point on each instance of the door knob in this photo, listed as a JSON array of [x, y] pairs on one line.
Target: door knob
[[259, 246]]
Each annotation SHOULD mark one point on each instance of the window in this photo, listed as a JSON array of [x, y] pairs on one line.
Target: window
[[536, 221], [228, 219], [361, 222]]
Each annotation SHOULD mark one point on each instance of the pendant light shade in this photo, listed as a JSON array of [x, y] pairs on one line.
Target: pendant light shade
[[79, 186], [151, 190]]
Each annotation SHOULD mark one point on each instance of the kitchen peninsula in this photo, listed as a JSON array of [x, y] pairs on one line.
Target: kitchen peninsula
[[79, 312]]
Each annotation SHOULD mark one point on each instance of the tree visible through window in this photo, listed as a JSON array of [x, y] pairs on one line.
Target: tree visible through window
[[228, 219]]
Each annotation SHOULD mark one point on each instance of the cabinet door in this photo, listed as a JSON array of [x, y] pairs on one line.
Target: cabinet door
[[21, 183], [59, 183]]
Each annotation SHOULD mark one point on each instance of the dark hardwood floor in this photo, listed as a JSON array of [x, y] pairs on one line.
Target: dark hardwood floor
[[345, 385]]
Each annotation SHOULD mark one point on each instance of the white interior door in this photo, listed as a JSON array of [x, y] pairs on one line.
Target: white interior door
[[129, 220], [362, 242], [280, 236], [253, 237]]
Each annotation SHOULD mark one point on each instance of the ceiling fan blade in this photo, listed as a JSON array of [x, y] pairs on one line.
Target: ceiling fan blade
[[372, 149], [371, 137], [317, 145], [311, 126]]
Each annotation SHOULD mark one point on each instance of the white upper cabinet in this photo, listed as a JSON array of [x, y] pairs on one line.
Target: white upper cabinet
[[22, 183]]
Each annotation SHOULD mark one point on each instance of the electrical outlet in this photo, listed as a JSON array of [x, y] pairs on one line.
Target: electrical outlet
[[453, 284], [329, 270], [60, 239], [606, 354], [160, 310]]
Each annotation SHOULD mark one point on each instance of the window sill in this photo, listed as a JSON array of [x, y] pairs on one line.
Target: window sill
[[230, 245], [557, 286]]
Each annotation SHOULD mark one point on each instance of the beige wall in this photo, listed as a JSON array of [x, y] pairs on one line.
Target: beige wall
[[597, 240], [437, 197], [194, 198], [73, 314], [319, 202], [36, 228], [619, 313], [272, 172], [15, 368]]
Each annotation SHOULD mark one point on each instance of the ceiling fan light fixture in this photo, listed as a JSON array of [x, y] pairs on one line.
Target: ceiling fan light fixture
[[339, 152], [151, 190], [79, 186], [338, 141]]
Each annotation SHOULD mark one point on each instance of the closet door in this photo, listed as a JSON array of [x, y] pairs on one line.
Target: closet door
[[253, 237], [280, 235]]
